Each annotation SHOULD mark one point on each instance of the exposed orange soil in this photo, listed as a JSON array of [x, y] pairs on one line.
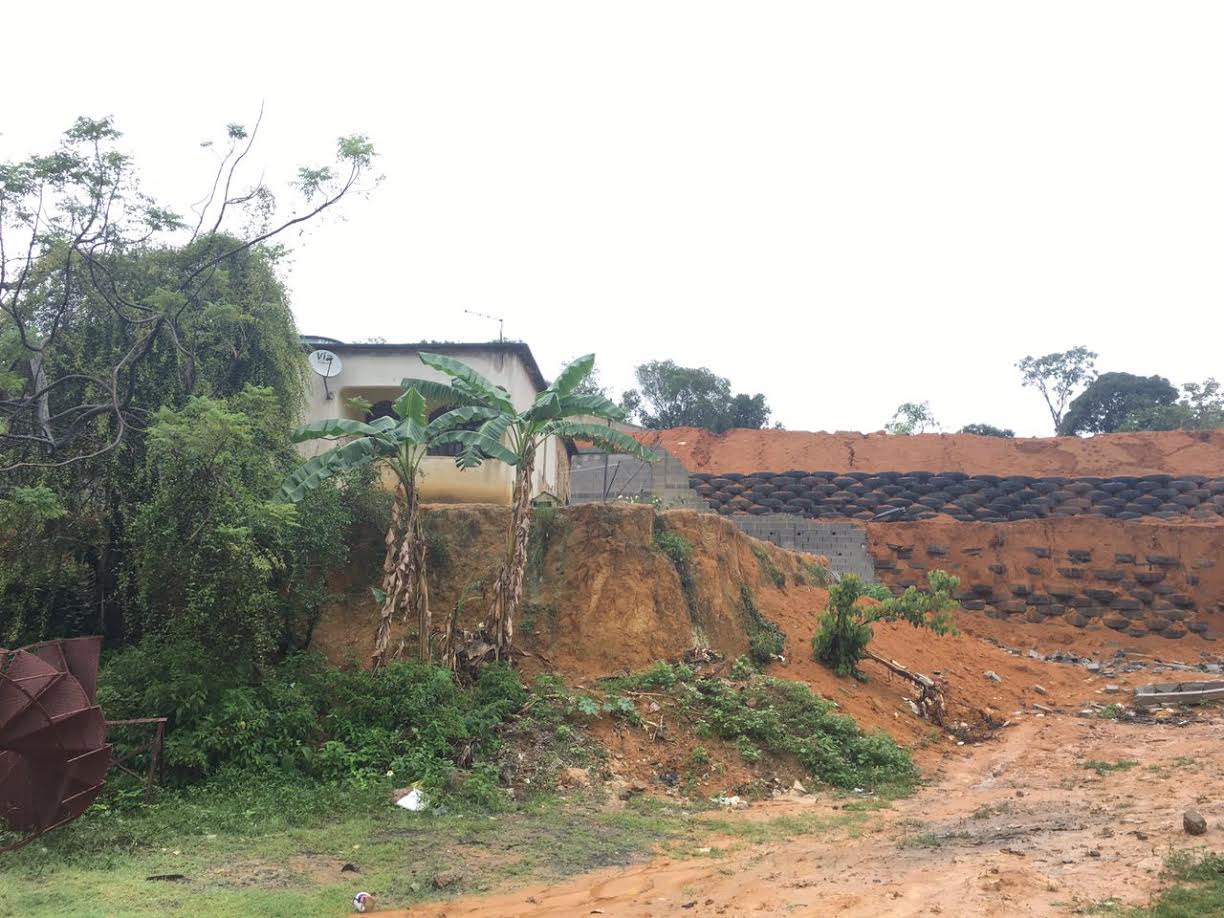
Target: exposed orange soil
[[1174, 452], [607, 601], [1017, 827]]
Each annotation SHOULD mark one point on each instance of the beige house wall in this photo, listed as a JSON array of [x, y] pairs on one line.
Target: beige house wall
[[374, 374]]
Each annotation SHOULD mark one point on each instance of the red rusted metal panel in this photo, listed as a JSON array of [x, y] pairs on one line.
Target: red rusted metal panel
[[53, 750]]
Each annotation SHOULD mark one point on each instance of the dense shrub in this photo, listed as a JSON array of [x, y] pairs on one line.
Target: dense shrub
[[788, 718], [845, 626], [46, 583], [305, 717], [214, 558]]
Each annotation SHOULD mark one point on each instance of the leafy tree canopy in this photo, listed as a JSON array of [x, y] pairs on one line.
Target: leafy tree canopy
[[1112, 398], [669, 395], [1056, 376], [1201, 407], [987, 430], [912, 418], [97, 279]]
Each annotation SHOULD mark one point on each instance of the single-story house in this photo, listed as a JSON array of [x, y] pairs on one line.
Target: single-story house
[[371, 373]]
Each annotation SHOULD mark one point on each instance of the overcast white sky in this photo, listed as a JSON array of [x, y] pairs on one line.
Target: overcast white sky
[[842, 205]]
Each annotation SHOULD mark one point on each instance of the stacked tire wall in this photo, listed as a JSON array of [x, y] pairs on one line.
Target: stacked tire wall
[[1137, 579], [906, 496]]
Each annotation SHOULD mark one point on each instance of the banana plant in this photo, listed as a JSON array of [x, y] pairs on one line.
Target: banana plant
[[397, 442], [513, 437]]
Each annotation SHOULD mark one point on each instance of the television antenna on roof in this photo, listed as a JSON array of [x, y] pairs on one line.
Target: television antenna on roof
[[327, 365], [498, 319]]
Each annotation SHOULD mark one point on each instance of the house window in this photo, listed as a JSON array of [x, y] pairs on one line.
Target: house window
[[378, 410], [450, 449]]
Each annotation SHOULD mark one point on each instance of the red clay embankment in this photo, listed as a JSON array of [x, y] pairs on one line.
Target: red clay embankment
[[1175, 452]]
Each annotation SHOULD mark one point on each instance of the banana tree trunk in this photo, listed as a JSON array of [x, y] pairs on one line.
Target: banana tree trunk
[[508, 590], [404, 583]]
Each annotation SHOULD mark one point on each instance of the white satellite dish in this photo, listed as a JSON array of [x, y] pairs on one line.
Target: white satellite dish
[[327, 365]]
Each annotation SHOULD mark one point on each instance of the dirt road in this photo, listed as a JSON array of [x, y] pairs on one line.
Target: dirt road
[[1056, 811]]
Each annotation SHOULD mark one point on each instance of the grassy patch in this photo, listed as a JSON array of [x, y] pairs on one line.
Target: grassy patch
[[815, 575], [1198, 891], [278, 850], [768, 568], [931, 839], [1103, 768], [765, 639], [254, 850], [679, 552]]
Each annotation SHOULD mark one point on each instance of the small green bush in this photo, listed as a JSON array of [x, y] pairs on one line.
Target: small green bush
[[678, 549], [877, 591], [845, 627]]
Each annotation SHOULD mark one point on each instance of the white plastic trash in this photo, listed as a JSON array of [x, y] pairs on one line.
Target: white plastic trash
[[414, 801]]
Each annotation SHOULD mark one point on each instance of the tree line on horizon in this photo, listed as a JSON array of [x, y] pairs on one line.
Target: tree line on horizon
[[1080, 400]]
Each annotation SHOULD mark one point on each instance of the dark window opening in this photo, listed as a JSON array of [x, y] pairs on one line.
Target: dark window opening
[[450, 449], [378, 410]]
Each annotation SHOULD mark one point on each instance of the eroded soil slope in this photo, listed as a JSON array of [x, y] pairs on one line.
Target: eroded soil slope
[[603, 598], [1174, 452]]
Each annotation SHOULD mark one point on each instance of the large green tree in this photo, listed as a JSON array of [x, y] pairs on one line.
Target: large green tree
[[513, 436], [987, 430], [1201, 407], [1057, 376], [1112, 398], [97, 280], [112, 307], [669, 395]]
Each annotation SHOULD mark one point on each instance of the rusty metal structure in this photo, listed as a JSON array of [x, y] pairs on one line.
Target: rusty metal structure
[[53, 750]]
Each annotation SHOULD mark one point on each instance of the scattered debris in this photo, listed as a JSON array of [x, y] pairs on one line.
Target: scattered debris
[[1171, 693], [992, 676], [1040, 690], [1112, 689], [931, 701], [414, 801]]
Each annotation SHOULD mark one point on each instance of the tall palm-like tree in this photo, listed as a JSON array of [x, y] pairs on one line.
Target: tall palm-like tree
[[513, 437], [399, 442]]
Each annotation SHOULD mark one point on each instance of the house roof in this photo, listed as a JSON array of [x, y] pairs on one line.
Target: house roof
[[449, 348]]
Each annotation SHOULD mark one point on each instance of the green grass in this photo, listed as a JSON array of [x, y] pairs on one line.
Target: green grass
[[931, 839], [260, 850], [1198, 891], [1103, 768], [267, 851]]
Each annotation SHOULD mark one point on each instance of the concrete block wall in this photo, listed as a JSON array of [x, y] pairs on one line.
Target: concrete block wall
[[844, 544], [597, 475]]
